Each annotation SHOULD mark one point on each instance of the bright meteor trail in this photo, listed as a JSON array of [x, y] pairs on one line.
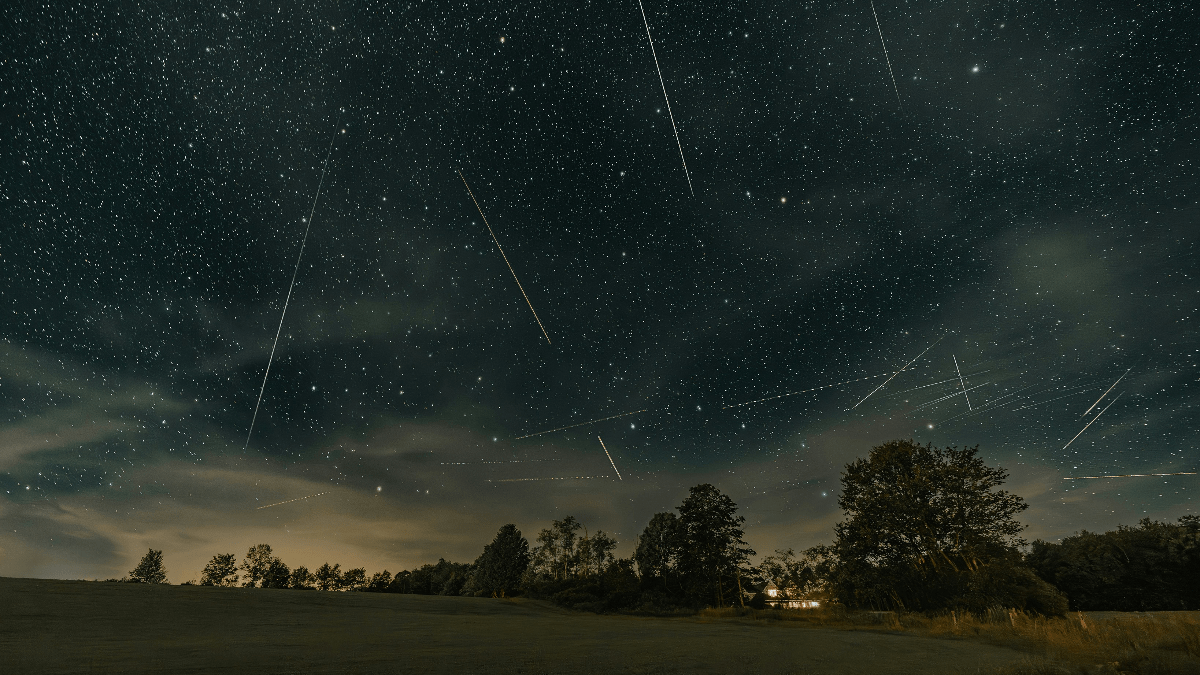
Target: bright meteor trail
[[897, 373], [1133, 475], [885, 54], [610, 459], [510, 267], [667, 98], [1085, 427], [289, 293], [291, 500], [1105, 394], [572, 426]]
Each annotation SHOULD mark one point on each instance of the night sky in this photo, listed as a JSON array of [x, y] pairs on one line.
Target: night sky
[[1022, 197]]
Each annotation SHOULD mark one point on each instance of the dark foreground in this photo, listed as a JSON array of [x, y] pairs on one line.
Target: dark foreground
[[77, 626]]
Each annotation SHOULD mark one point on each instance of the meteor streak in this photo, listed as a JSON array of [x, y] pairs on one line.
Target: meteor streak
[[667, 98], [964, 384], [949, 396], [610, 459], [510, 267], [505, 461], [885, 54], [572, 426], [290, 501], [803, 391], [522, 480], [1134, 475], [1104, 394], [1093, 420], [288, 299], [896, 373]]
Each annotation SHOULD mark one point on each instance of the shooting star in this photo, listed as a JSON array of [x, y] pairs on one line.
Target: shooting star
[[803, 391], [292, 286], [610, 459], [572, 426], [510, 267], [896, 373], [964, 384], [1134, 475], [1105, 394], [948, 396], [1093, 420], [291, 500], [522, 480], [667, 98], [505, 461], [885, 54]]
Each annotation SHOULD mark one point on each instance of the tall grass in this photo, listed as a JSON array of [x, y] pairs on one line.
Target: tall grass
[[1157, 643]]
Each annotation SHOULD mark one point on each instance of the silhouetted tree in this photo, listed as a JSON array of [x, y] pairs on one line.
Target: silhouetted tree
[[301, 579], [499, 569], [711, 554], [1154, 566], [595, 553], [657, 550], [354, 579], [255, 565], [329, 578], [150, 570], [220, 571], [927, 529], [277, 575], [380, 582], [555, 556]]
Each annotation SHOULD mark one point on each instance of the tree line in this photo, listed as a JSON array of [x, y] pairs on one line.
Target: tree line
[[926, 529]]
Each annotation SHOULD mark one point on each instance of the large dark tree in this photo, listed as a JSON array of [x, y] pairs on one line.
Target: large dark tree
[[1154, 566], [150, 570], [499, 569], [928, 528], [711, 553], [657, 548], [220, 571], [256, 564]]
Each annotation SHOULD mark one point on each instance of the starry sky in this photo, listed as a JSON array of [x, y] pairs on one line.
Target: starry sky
[[1009, 195]]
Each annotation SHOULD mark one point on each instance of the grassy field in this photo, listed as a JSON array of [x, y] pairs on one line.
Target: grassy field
[[77, 626]]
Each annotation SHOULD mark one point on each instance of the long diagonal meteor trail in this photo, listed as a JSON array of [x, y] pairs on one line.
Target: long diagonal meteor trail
[[1105, 394], [1085, 427], [667, 98], [897, 373], [291, 500], [961, 382], [502, 255], [885, 54], [1134, 475], [802, 391], [572, 426], [610, 459], [291, 286]]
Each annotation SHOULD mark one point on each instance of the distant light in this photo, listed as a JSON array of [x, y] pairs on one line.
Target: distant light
[[379, 489]]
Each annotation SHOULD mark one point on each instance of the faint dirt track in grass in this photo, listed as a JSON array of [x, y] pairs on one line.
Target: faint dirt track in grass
[[77, 626]]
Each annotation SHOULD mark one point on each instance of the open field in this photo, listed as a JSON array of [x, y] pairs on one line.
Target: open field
[[51, 626]]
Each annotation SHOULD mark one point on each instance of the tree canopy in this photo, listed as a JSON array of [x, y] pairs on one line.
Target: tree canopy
[[927, 528], [500, 567], [150, 570], [220, 571]]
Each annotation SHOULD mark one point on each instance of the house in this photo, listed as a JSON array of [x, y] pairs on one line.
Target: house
[[780, 599]]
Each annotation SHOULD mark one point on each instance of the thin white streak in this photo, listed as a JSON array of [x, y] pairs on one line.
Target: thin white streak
[[1093, 420], [964, 384], [1134, 475], [667, 98], [610, 459], [510, 267], [572, 426], [885, 54], [897, 373], [291, 500], [1105, 394], [291, 286]]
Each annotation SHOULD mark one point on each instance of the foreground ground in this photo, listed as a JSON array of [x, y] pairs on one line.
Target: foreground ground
[[76, 626]]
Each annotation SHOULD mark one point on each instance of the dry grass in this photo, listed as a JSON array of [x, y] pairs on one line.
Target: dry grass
[[1141, 643]]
